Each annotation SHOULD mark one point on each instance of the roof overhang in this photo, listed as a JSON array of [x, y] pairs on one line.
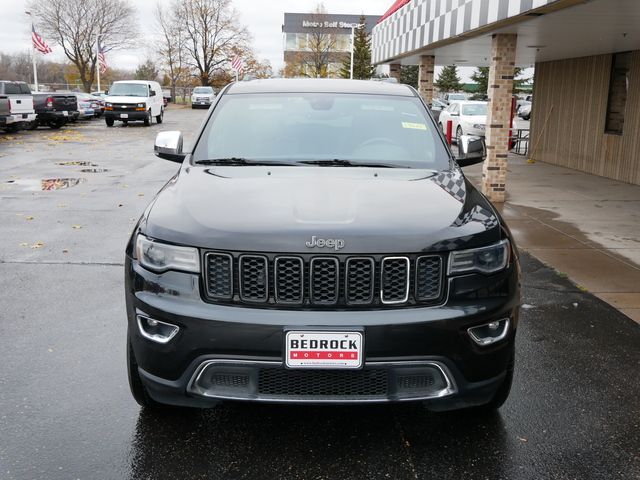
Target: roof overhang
[[561, 29]]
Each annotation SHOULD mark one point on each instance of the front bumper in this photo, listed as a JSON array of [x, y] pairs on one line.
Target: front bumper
[[416, 353], [130, 115]]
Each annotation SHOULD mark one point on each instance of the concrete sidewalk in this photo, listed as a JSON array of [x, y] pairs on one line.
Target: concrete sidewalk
[[584, 226]]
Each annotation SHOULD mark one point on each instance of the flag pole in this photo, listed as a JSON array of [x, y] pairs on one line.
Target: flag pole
[[98, 60], [353, 41], [33, 57]]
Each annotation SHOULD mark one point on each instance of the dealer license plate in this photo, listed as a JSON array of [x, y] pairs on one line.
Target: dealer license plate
[[306, 349], [65, 113], [124, 115]]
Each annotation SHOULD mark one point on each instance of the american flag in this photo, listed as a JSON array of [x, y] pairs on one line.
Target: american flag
[[102, 60], [38, 43], [237, 63]]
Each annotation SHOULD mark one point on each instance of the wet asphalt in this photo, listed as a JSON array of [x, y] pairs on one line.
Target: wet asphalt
[[65, 408]]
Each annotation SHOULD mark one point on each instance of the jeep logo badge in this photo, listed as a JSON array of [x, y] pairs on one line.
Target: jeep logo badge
[[335, 243]]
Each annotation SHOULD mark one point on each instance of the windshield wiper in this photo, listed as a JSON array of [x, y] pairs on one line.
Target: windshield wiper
[[241, 161], [336, 162]]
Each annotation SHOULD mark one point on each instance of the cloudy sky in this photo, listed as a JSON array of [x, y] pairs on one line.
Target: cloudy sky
[[264, 19]]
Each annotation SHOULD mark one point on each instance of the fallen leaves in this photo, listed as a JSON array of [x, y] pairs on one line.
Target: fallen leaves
[[76, 227], [38, 244], [29, 217]]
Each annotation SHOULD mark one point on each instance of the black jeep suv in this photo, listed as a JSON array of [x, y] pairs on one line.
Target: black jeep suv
[[320, 244]]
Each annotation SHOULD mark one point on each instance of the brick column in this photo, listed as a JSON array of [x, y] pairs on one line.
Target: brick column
[[494, 170], [394, 71], [425, 77]]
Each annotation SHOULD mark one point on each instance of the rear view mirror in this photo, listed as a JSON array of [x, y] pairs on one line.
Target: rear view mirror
[[169, 146], [471, 149]]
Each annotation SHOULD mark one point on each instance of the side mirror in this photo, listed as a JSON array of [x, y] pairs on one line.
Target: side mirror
[[169, 146], [472, 150], [152, 93]]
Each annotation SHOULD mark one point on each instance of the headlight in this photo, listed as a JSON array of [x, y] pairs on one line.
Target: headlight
[[109, 104], [140, 105], [478, 126], [489, 259], [161, 257]]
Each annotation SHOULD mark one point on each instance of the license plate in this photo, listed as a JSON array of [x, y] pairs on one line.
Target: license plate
[[124, 115], [203, 103], [65, 113], [307, 349]]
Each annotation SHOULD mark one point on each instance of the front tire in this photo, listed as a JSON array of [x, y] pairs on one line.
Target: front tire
[[160, 117], [147, 120], [459, 135], [138, 390], [109, 122]]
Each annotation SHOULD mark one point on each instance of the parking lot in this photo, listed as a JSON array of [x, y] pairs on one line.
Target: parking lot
[[69, 199]]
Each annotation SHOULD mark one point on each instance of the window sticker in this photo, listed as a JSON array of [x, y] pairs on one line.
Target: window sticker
[[414, 126]]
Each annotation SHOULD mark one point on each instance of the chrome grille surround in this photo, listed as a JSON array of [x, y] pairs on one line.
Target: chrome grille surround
[[391, 291]]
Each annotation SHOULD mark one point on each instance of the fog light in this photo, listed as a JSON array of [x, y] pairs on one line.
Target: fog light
[[155, 330], [489, 333]]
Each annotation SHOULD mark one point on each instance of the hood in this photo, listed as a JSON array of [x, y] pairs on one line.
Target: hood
[[117, 99], [475, 119], [280, 209]]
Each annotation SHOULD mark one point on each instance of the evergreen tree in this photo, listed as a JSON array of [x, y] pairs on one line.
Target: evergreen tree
[[448, 80], [409, 75], [362, 68], [481, 77]]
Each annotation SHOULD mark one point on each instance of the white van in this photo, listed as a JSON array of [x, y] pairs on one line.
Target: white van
[[131, 100]]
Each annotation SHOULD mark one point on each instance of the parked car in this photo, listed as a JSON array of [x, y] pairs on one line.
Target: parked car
[[166, 96], [87, 105], [101, 103], [20, 103], [525, 111], [202, 97], [53, 109], [468, 118], [454, 97], [339, 256], [437, 106], [5, 110], [134, 100]]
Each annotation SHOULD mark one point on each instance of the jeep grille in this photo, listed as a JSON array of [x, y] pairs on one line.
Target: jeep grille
[[317, 281]]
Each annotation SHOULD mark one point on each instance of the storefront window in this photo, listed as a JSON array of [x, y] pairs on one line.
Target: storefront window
[[618, 86]]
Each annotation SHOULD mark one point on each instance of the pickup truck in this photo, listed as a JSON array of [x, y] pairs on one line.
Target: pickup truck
[[21, 112], [53, 109]]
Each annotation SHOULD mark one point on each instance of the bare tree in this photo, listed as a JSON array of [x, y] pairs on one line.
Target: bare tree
[[213, 30], [76, 24], [321, 45], [171, 47]]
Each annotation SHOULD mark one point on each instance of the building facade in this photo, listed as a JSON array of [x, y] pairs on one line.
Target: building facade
[[586, 53], [317, 44]]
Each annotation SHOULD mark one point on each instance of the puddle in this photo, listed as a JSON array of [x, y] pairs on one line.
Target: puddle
[[47, 184], [77, 164], [94, 170]]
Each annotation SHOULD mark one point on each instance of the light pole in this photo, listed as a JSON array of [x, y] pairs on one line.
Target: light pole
[[33, 55], [353, 41]]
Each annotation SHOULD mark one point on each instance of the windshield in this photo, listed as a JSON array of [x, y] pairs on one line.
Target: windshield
[[292, 127], [203, 90], [457, 96], [474, 109], [129, 90]]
